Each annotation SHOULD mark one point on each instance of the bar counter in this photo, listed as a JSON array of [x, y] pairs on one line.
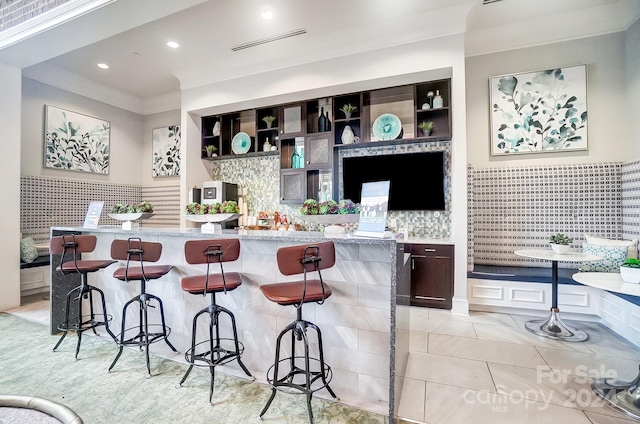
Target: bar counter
[[358, 322]]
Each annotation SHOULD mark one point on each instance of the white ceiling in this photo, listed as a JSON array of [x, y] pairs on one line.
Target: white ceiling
[[130, 37]]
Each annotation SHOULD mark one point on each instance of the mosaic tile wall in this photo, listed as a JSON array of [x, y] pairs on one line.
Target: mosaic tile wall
[[46, 202], [519, 208], [14, 12], [470, 238], [262, 178], [631, 199]]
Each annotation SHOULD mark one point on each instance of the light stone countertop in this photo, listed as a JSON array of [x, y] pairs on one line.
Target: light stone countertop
[[297, 236]]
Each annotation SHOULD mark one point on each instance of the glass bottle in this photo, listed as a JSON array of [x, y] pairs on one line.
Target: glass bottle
[[437, 100], [328, 125], [295, 158]]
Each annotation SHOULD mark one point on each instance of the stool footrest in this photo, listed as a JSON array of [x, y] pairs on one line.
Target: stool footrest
[[294, 385], [139, 339], [87, 323], [219, 356]]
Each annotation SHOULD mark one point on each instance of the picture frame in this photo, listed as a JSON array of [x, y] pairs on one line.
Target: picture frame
[[166, 151], [76, 142], [539, 112]]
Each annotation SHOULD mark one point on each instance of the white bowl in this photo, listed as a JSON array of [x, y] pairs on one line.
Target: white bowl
[[630, 275]]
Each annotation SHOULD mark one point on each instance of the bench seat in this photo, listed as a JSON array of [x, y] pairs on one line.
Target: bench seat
[[39, 261], [532, 275]]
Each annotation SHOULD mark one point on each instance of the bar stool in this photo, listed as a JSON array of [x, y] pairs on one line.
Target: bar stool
[[77, 244], [295, 260], [134, 250], [212, 352]]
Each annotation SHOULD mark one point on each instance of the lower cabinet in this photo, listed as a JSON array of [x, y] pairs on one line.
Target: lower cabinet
[[431, 275]]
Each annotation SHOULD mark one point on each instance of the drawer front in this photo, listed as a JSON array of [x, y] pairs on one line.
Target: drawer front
[[430, 250]]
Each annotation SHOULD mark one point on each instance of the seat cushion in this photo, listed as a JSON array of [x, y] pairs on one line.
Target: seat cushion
[[84, 266], [135, 273], [291, 293], [195, 284]]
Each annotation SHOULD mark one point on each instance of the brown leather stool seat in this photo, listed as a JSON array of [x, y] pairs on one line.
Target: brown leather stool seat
[[307, 260], [72, 247], [214, 350], [138, 255]]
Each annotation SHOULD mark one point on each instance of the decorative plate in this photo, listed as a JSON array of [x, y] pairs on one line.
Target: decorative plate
[[387, 127], [241, 143]]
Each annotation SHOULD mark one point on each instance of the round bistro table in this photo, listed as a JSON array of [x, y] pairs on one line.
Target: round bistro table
[[553, 326]]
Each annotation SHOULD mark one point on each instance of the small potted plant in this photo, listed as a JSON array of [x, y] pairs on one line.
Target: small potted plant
[[210, 150], [427, 127], [269, 119], [560, 243], [630, 270], [348, 109]]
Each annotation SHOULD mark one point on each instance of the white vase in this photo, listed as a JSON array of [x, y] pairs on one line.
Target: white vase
[[347, 135], [630, 275], [560, 249]]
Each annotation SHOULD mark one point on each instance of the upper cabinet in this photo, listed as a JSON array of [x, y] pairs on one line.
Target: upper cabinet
[[306, 134], [409, 112]]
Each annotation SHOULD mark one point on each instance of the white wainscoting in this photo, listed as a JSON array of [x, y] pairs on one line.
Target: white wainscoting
[[574, 301], [35, 280]]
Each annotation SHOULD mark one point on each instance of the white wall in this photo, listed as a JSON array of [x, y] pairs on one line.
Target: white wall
[[609, 128], [10, 100], [157, 120], [632, 82], [126, 141]]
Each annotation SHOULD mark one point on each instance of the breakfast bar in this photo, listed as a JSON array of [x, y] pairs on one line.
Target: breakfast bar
[[358, 321]]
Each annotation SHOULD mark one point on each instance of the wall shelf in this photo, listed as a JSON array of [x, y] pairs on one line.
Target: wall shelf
[[298, 124]]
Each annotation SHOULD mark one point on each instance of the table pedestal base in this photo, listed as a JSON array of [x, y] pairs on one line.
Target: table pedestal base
[[554, 328], [622, 395]]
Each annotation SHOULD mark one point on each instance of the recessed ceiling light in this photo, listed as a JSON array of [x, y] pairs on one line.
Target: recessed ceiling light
[[267, 14], [173, 44], [103, 66]]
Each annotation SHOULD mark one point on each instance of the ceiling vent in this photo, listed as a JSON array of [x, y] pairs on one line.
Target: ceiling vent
[[269, 39], [489, 1]]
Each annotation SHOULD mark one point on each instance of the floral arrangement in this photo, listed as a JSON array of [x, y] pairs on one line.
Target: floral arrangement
[[142, 207], [313, 207], [229, 206], [560, 239]]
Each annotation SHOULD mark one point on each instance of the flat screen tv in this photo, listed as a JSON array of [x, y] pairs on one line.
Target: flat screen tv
[[417, 179]]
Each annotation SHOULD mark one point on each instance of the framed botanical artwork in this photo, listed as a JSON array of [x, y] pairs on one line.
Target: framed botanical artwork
[[539, 112], [166, 151], [75, 142]]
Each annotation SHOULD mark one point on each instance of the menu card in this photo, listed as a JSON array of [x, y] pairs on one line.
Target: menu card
[[374, 202], [93, 215]]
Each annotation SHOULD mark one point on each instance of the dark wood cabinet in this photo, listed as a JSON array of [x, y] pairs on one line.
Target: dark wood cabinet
[[299, 127], [431, 275]]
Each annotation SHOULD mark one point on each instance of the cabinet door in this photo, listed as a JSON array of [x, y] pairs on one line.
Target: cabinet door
[[293, 119], [318, 152], [431, 276], [292, 186]]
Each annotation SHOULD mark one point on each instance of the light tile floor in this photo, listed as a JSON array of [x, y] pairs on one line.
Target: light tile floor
[[487, 368]]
